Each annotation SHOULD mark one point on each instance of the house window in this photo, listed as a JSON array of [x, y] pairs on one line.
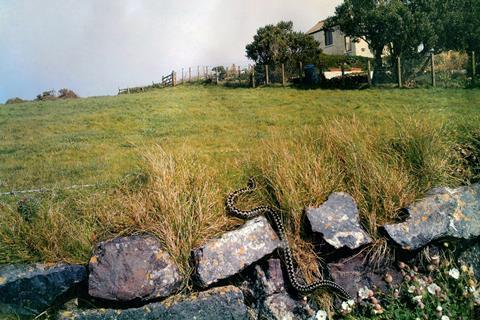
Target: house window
[[348, 44], [328, 37]]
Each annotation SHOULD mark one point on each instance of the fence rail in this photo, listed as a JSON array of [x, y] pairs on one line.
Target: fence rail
[[167, 81]]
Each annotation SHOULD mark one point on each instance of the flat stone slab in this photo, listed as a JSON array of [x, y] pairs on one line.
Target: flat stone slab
[[271, 297], [443, 213], [233, 251], [338, 221], [215, 304], [354, 274], [132, 268], [28, 290]]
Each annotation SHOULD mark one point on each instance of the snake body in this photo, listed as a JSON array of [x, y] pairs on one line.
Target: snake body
[[285, 248]]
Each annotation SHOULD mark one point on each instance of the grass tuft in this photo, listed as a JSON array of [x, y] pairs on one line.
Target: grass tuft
[[177, 200]]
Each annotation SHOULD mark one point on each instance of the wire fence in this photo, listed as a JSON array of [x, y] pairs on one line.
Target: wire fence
[[44, 190], [447, 70]]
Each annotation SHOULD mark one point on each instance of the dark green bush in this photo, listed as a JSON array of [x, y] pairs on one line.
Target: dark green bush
[[15, 100], [28, 208], [327, 61]]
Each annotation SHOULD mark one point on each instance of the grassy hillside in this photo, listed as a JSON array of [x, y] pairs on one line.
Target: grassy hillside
[[97, 140], [164, 160]]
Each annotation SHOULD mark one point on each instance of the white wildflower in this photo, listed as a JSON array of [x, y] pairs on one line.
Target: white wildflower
[[351, 302], [471, 289], [411, 289], [422, 283], [454, 273], [464, 268], [345, 307], [321, 315], [417, 299], [476, 297], [433, 288], [439, 308], [445, 318], [363, 293]]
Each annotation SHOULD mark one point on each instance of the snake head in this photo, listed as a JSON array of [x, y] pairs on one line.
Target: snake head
[[251, 184]]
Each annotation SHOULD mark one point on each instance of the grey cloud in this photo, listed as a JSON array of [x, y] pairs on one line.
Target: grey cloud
[[96, 46]]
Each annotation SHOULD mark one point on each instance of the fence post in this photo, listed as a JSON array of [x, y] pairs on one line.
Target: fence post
[[283, 75], [474, 66], [182, 76], [342, 67], [174, 78], [198, 73], [301, 69], [267, 80], [399, 72], [128, 90], [253, 77], [369, 75], [432, 58], [216, 76], [206, 72], [189, 74]]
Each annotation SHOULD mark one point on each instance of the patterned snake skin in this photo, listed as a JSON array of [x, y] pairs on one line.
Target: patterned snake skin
[[287, 254]]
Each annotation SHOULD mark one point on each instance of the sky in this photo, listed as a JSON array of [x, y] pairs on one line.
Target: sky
[[95, 47]]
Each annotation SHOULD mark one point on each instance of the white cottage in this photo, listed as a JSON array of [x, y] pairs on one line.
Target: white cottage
[[333, 41]]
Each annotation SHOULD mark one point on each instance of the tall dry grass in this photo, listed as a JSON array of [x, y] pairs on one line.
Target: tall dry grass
[[175, 199], [384, 166], [56, 233]]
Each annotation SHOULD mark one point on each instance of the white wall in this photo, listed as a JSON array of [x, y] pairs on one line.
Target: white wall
[[359, 48]]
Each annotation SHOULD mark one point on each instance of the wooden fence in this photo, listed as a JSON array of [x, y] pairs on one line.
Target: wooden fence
[[167, 81], [399, 74]]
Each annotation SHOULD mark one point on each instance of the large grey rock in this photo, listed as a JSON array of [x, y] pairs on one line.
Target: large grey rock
[[280, 306], [269, 280], [354, 273], [271, 299], [443, 213], [233, 251], [131, 268], [268, 297], [218, 303], [338, 220], [27, 290]]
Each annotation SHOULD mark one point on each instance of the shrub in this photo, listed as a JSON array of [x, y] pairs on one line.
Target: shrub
[[15, 100], [349, 81], [46, 96], [328, 61], [28, 208], [67, 94]]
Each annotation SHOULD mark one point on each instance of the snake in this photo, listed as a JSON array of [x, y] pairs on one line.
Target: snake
[[274, 216]]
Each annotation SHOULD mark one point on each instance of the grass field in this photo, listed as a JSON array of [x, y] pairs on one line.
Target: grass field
[[164, 160], [98, 140]]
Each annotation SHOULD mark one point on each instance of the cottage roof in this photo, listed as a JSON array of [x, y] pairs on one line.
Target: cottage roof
[[317, 27]]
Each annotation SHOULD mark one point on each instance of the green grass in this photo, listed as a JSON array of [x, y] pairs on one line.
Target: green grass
[[97, 140], [163, 162]]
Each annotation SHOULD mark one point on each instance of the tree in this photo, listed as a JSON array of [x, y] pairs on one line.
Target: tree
[[459, 26], [276, 44], [67, 94], [401, 26]]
